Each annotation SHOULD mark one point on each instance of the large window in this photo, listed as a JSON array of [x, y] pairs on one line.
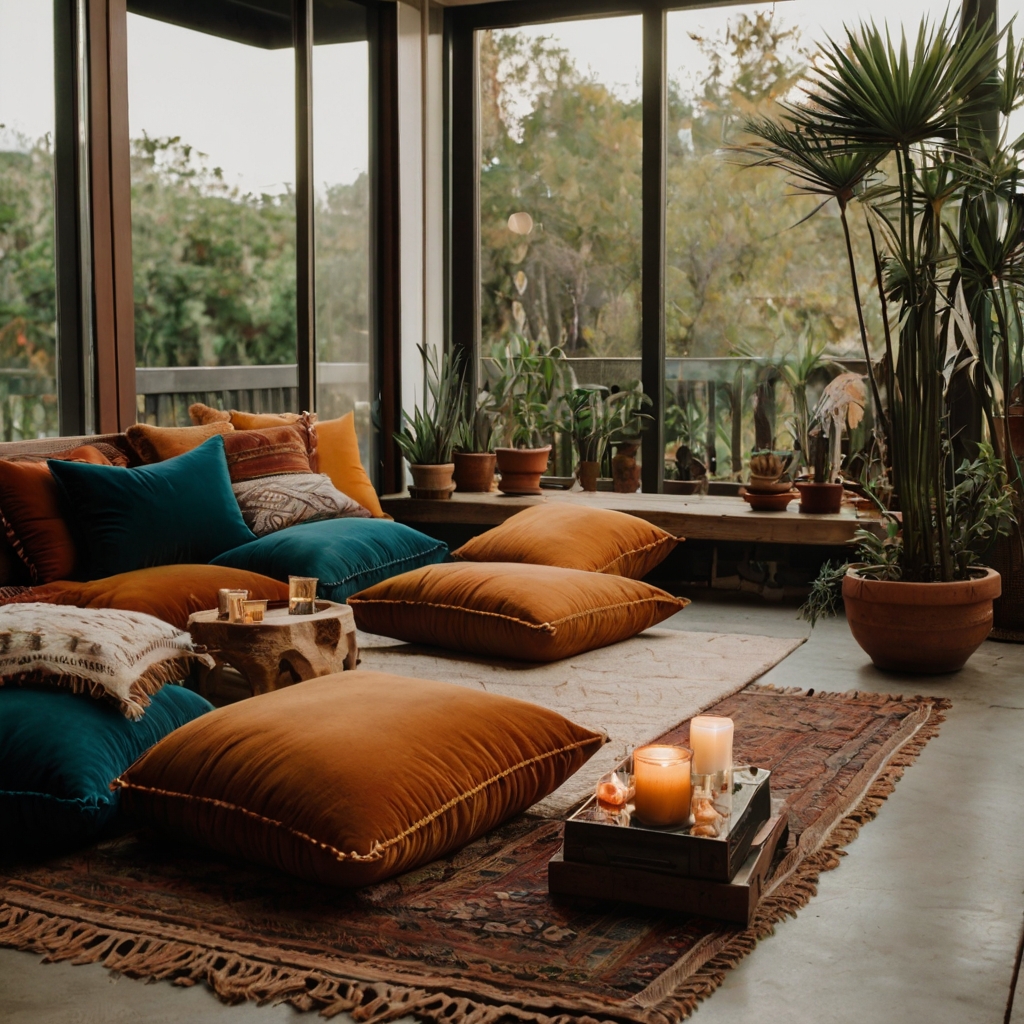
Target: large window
[[577, 127], [341, 186], [560, 197], [212, 125], [28, 330]]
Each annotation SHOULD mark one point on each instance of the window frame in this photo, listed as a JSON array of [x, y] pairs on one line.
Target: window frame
[[92, 217]]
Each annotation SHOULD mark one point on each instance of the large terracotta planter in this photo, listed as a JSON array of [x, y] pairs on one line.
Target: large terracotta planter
[[521, 469], [432, 481], [920, 627], [474, 471], [820, 499]]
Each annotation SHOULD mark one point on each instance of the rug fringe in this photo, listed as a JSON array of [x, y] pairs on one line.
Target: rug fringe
[[237, 978]]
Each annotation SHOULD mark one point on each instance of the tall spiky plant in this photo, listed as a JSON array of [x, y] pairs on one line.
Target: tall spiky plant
[[870, 100]]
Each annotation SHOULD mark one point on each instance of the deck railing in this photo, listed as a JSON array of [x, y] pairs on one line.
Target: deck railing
[[710, 400]]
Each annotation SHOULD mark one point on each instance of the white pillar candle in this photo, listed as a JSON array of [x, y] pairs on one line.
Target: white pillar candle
[[711, 741], [661, 777]]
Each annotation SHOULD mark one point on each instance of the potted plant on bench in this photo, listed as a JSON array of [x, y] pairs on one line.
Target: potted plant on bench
[[529, 386], [920, 602], [598, 417], [474, 447], [427, 438]]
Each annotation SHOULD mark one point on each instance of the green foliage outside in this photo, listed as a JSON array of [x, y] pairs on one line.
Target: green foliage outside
[[744, 276], [28, 300], [215, 267]]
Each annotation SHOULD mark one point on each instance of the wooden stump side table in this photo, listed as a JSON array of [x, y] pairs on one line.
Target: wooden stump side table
[[282, 649]]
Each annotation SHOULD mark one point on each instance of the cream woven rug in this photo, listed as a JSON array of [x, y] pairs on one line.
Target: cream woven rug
[[634, 690]]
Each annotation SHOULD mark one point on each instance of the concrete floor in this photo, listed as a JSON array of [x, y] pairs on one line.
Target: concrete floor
[[919, 925]]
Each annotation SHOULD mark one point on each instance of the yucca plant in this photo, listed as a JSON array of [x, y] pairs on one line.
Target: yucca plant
[[428, 435], [888, 126]]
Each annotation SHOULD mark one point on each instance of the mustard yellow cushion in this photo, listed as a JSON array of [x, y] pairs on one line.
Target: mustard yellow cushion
[[203, 414], [523, 612], [351, 778], [574, 537], [158, 444], [338, 451]]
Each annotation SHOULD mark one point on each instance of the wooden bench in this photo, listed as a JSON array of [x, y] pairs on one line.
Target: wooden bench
[[696, 517]]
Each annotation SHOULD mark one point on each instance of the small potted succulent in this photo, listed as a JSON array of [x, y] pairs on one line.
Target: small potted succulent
[[841, 407], [427, 439], [474, 448]]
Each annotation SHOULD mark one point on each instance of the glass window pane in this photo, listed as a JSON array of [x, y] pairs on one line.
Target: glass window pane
[[28, 300], [560, 195], [747, 284], [212, 123], [341, 130]]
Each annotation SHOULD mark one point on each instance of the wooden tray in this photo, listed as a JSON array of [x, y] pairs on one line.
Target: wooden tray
[[726, 901], [595, 836]]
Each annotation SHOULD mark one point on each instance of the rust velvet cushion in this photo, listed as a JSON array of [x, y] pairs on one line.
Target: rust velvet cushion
[[574, 537], [157, 444], [168, 592], [30, 509], [505, 610], [351, 778], [271, 451], [338, 451]]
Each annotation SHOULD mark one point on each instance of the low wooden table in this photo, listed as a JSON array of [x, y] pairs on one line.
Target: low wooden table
[[282, 649]]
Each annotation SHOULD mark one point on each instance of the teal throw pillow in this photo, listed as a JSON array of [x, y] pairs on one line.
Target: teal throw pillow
[[345, 555], [59, 753], [181, 511]]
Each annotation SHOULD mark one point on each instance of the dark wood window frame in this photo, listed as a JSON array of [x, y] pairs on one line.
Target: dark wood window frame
[[92, 173]]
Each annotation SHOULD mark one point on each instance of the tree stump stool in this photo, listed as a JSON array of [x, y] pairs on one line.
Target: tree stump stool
[[282, 649]]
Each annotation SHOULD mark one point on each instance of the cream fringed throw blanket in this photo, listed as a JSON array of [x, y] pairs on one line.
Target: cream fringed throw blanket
[[105, 652]]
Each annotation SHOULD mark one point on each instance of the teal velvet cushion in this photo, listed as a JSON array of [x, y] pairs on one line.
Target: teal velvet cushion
[[176, 512], [345, 555], [59, 752]]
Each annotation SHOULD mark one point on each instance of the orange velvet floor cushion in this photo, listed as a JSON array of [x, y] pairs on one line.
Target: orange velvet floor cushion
[[506, 610], [169, 592], [351, 778], [574, 537]]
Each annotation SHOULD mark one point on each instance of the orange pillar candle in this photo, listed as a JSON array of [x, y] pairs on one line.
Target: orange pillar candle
[[711, 740], [662, 781]]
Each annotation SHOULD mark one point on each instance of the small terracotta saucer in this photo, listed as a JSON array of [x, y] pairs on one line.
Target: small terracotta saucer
[[768, 502]]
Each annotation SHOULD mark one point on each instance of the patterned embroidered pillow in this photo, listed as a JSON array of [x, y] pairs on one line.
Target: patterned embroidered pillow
[[272, 503], [115, 655]]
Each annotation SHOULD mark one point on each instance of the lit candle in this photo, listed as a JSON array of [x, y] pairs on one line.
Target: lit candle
[[661, 776], [711, 740]]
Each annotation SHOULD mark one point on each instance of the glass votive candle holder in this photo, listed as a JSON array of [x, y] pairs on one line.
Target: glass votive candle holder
[[302, 595], [236, 605], [615, 789], [222, 602], [661, 780], [253, 611]]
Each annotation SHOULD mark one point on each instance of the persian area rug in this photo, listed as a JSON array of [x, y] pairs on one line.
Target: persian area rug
[[630, 690], [474, 939]]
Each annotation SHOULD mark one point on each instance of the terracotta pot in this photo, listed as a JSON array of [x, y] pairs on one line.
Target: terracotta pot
[[920, 627], [588, 473], [474, 471], [432, 481], [820, 499], [625, 471], [521, 469]]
